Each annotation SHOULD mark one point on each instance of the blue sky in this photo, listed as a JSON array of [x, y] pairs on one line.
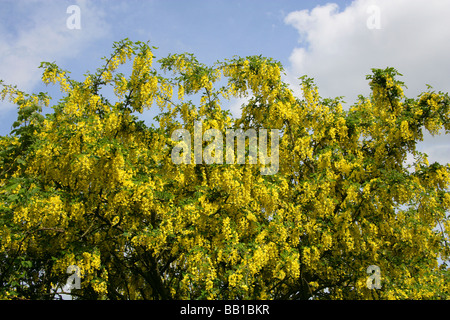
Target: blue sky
[[327, 40]]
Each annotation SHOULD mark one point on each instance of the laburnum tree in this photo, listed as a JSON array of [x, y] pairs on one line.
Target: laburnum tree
[[90, 184]]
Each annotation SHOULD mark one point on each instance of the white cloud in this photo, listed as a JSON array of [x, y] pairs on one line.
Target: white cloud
[[40, 33], [338, 49], [235, 106]]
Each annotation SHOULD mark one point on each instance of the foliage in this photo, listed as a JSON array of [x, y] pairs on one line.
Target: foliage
[[89, 184]]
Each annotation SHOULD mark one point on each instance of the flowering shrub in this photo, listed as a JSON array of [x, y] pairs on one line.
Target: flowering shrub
[[91, 185]]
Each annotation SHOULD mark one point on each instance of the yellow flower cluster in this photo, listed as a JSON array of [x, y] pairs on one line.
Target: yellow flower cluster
[[147, 92], [121, 87], [53, 76]]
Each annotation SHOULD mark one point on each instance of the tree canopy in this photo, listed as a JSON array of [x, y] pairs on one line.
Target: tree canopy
[[90, 184]]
